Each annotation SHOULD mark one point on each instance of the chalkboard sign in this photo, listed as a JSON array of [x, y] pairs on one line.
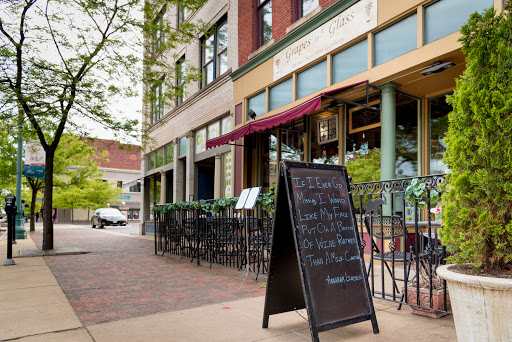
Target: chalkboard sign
[[316, 257]]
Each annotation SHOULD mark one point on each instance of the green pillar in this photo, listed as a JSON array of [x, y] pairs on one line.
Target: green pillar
[[19, 226], [388, 128]]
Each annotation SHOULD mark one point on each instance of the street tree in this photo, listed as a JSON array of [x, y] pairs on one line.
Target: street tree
[[63, 61]]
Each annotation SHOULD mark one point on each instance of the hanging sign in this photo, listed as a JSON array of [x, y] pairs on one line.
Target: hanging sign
[[317, 261], [34, 160]]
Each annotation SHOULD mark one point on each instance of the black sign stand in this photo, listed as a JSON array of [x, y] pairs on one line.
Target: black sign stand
[[294, 280]]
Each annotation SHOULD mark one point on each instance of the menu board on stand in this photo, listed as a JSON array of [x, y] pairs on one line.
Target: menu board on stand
[[316, 259]]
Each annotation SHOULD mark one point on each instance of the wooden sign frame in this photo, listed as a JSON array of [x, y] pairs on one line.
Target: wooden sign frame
[[289, 284]]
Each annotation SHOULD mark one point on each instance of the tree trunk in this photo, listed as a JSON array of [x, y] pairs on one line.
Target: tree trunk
[[48, 199], [33, 208]]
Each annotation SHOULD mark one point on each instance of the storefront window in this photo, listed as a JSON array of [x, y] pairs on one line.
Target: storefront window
[[395, 40], [323, 149], [183, 146], [406, 142], [312, 80], [269, 159], [257, 104], [169, 153], [439, 110], [350, 62], [160, 157], [363, 134], [447, 16], [281, 94], [292, 141]]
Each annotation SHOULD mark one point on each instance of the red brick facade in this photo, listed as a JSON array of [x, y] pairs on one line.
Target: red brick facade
[[284, 13], [120, 156]]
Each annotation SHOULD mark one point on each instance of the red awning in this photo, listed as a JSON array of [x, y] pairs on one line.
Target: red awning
[[275, 120]]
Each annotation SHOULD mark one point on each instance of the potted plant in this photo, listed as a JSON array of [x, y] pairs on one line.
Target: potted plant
[[477, 201]]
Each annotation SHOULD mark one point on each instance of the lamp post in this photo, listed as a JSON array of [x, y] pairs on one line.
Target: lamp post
[[19, 227]]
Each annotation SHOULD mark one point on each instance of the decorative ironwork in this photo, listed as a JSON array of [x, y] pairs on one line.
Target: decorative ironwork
[[393, 185]]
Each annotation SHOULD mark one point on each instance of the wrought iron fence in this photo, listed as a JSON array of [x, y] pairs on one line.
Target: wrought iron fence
[[234, 238], [399, 239], [401, 243]]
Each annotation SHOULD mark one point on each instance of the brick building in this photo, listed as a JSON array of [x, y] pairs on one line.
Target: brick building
[[122, 169], [178, 167], [322, 81]]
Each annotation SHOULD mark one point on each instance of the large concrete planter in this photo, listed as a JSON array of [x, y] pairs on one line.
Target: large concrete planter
[[481, 306]]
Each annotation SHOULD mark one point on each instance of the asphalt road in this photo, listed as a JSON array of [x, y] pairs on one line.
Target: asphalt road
[[130, 228]]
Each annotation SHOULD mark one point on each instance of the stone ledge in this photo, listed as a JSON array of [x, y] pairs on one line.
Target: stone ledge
[[59, 251]]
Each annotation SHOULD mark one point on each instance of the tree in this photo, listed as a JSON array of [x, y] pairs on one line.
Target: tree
[[477, 202], [60, 62]]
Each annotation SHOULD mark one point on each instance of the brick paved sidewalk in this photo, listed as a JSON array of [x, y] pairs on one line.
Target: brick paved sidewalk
[[122, 278]]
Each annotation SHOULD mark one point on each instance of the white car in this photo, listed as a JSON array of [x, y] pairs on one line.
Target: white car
[[107, 217]]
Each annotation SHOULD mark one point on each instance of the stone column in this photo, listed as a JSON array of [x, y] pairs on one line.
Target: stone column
[[163, 187], [179, 174], [388, 128], [217, 189]]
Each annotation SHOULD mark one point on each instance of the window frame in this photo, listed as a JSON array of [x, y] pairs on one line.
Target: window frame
[[215, 58], [260, 4], [157, 101], [299, 9], [181, 15], [159, 34], [180, 82]]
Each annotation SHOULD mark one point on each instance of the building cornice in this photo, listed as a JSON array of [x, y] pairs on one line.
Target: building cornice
[[312, 24]]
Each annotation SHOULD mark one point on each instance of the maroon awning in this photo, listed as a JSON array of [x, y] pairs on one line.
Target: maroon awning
[[275, 120]]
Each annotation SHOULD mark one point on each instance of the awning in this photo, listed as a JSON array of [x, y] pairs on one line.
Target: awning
[[275, 120]]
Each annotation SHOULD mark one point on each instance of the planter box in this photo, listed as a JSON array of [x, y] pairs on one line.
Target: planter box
[[437, 302], [481, 306]]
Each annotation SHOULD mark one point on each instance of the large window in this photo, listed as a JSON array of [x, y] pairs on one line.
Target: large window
[[257, 104], [159, 32], [183, 146], [150, 161], [323, 142], [281, 94], [180, 80], [160, 157], [157, 101], [406, 140], [439, 110], [169, 153], [447, 16], [181, 15], [265, 21], [395, 40], [350, 62], [312, 79], [307, 6], [215, 53]]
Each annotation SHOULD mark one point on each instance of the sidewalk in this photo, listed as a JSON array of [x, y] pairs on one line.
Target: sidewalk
[[121, 291]]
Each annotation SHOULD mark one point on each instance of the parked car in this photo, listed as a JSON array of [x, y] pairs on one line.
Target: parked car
[[107, 217]]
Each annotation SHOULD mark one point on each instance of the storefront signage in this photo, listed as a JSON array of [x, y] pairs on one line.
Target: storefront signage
[[201, 140], [228, 187], [349, 24], [214, 130]]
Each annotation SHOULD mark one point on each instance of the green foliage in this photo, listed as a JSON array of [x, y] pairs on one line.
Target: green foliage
[[418, 192], [266, 200], [477, 202], [364, 167]]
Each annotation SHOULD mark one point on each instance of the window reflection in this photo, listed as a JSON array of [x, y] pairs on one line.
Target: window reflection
[[324, 151], [439, 110], [269, 159], [406, 141], [292, 141]]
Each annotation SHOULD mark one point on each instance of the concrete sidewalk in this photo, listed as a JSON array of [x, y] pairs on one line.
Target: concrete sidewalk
[[34, 307]]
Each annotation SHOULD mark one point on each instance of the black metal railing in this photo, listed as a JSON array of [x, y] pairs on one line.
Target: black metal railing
[[399, 239], [234, 238], [401, 243]]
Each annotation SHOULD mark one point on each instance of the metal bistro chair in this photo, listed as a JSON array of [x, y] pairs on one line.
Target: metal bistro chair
[[388, 228]]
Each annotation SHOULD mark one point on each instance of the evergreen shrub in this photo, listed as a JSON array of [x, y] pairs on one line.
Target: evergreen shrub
[[477, 202]]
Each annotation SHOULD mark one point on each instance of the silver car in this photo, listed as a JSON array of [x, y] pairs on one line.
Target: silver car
[[107, 217]]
